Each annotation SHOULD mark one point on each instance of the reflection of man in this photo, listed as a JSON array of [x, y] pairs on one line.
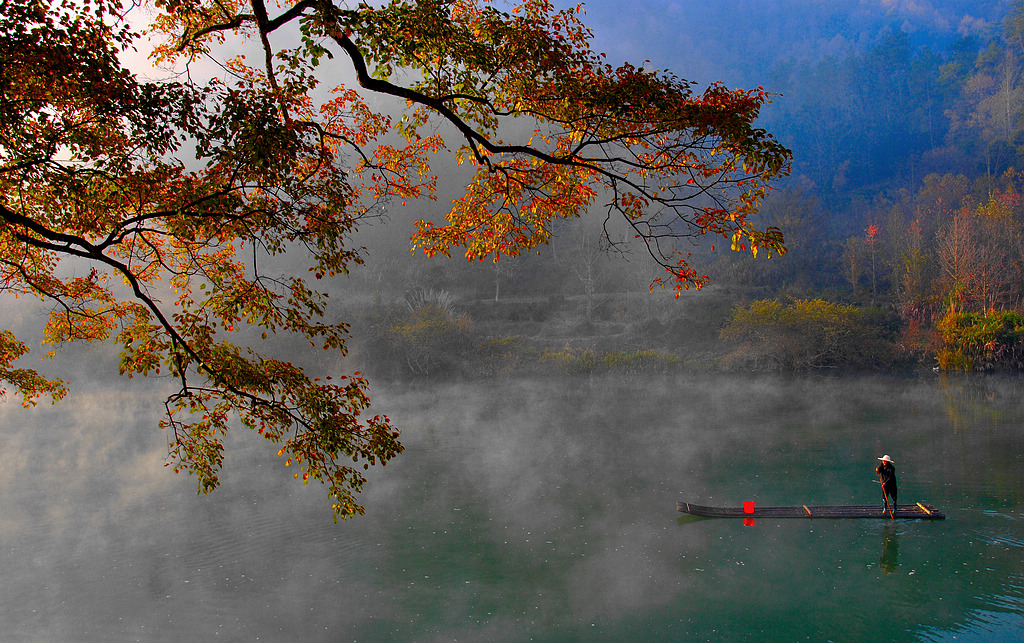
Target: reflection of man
[[889, 560], [887, 475]]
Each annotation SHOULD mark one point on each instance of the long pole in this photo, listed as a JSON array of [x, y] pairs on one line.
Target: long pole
[[885, 496]]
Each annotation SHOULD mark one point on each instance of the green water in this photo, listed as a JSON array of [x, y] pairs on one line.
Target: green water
[[535, 510]]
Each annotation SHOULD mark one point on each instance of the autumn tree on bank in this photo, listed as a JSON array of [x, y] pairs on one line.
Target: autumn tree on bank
[[147, 212]]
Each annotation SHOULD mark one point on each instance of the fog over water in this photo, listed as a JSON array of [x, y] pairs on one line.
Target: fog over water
[[544, 508], [522, 509]]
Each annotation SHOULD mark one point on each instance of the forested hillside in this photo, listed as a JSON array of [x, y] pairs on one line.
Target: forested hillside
[[904, 224]]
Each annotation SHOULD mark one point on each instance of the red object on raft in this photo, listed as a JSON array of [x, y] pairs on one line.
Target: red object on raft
[[748, 506], [917, 511]]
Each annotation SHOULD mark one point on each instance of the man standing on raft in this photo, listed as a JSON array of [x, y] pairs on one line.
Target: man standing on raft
[[887, 476]]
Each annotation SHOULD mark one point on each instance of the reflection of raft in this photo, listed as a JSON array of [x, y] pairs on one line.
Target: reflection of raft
[[918, 511]]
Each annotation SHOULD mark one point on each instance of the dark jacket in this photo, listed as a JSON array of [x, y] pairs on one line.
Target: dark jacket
[[887, 473]]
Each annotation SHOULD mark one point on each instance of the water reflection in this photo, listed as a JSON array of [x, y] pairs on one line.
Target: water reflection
[[889, 561]]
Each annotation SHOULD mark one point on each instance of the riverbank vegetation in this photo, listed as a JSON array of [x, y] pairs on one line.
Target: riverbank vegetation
[[937, 283], [904, 224]]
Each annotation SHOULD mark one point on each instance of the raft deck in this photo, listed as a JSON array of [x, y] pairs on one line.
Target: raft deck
[[918, 511]]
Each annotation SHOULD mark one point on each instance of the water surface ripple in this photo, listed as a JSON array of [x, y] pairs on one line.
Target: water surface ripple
[[533, 510]]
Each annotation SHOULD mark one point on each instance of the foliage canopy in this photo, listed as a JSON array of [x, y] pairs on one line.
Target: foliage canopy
[[148, 211]]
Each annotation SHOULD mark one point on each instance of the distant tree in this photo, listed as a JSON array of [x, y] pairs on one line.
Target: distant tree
[[505, 272], [911, 273], [1013, 27], [871, 243], [928, 98], [1009, 99], [961, 259], [999, 284], [937, 200], [582, 253], [853, 261], [432, 335]]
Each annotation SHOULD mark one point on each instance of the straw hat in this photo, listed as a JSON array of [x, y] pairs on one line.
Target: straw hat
[[885, 458]]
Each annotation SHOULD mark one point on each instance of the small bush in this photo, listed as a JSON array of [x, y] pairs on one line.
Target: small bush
[[572, 361], [501, 356], [807, 335], [640, 362], [424, 337], [981, 342]]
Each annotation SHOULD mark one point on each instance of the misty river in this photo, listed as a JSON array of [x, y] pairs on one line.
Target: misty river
[[532, 510]]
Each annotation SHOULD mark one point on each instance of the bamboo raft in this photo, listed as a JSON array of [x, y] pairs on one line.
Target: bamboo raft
[[916, 511]]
